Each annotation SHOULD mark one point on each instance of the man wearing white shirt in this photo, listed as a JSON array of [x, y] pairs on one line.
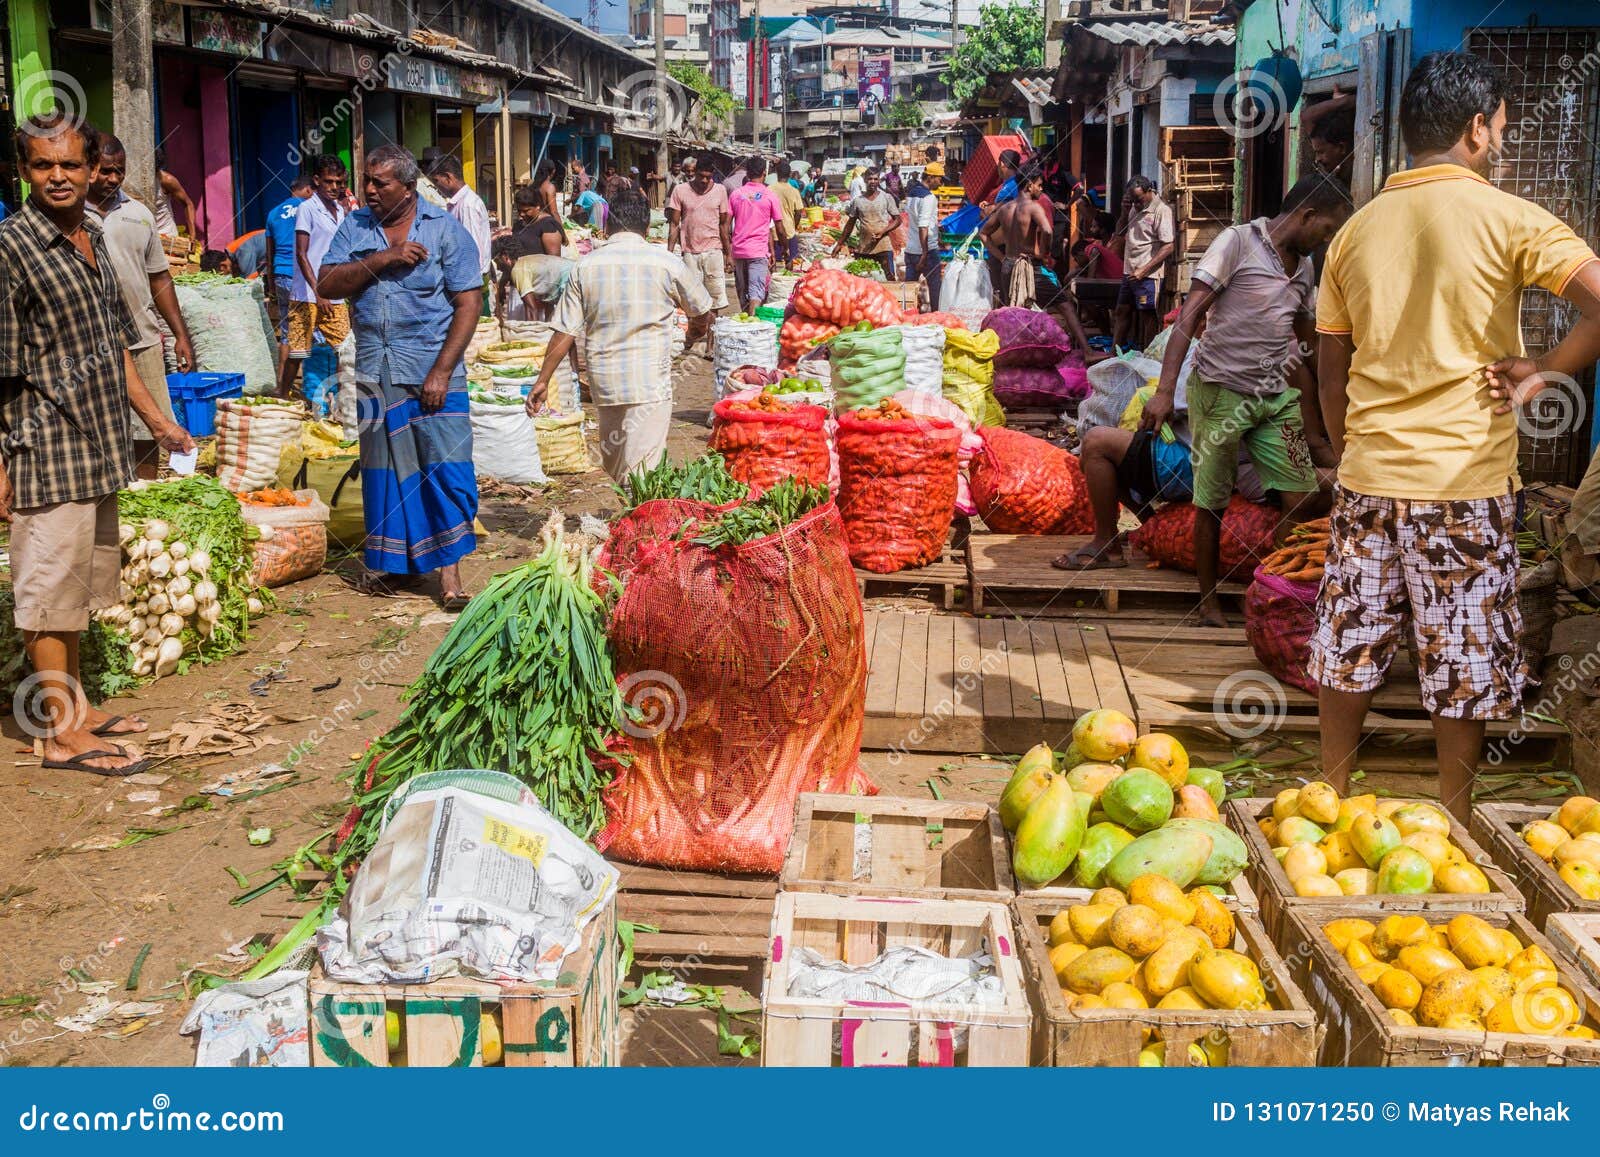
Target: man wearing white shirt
[[316, 221], [462, 203], [922, 232]]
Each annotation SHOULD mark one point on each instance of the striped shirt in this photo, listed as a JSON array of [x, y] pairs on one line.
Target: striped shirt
[[621, 299], [64, 330]]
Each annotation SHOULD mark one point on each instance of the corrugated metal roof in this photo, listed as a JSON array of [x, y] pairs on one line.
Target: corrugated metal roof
[[1157, 34], [1035, 89]]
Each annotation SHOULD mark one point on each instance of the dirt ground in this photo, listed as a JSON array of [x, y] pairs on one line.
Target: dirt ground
[[97, 873]]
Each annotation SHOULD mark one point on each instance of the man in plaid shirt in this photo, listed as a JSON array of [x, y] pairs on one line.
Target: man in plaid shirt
[[66, 382]]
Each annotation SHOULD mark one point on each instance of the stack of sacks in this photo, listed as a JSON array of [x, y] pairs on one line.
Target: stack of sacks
[[924, 346], [867, 367], [1032, 349], [525, 346]]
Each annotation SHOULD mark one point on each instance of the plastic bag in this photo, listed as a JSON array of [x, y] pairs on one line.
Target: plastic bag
[[1280, 616], [563, 383], [924, 346], [760, 649], [897, 489], [1025, 485], [296, 545], [504, 443], [867, 367], [1167, 536], [1028, 337], [227, 323], [832, 295], [764, 446], [800, 335], [968, 372], [966, 290]]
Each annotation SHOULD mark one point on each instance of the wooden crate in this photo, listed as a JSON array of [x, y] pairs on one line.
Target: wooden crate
[[1357, 1029], [944, 849], [944, 579], [569, 1022], [706, 922], [1495, 826], [1577, 935], [799, 1031], [1286, 1034], [1277, 895]]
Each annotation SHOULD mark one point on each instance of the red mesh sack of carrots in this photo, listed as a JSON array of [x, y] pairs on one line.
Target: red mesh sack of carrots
[[1167, 536], [835, 296], [1078, 518], [1024, 485], [947, 320], [897, 485], [765, 439], [751, 661], [1280, 616], [800, 334]]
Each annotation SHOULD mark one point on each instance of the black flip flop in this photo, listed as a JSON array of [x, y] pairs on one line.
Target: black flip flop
[[81, 763], [456, 602], [1085, 559], [107, 729]]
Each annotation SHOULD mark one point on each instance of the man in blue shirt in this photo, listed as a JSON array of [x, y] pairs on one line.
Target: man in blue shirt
[[280, 256], [410, 274]]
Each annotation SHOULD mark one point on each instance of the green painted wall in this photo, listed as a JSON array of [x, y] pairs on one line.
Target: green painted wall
[[91, 69], [416, 123], [30, 56]]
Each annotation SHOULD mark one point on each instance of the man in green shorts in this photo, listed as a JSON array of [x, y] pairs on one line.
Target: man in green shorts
[[1251, 388]]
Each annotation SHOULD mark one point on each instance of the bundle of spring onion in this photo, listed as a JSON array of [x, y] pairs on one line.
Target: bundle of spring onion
[[785, 502], [185, 590], [522, 683], [705, 479]]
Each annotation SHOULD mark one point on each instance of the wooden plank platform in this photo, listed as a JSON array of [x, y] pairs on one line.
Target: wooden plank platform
[[949, 683], [702, 917], [1012, 572], [943, 579]]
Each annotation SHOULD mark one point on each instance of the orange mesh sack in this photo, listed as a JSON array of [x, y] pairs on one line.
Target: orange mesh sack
[[751, 661], [1167, 536], [1025, 485], [641, 532], [1078, 518], [765, 441], [897, 487]]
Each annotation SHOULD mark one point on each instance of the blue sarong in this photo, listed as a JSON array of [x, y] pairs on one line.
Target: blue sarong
[[417, 481]]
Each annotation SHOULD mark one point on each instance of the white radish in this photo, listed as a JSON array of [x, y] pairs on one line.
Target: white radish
[[171, 625], [179, 586], [124, 616], [157, 531], [264, 533], [136, 625], [210, 613], [178, 549], [251, 604], [152, 635], [205, 591], [159, 604], [137, 549], [167, 656], [125, 533], [124, 592], [199, 562], [180, 566], [185, 605], [161, 565], [141, 667]]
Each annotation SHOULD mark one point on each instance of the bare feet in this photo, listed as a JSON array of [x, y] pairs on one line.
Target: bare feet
[[1209, 612], [452, 592]]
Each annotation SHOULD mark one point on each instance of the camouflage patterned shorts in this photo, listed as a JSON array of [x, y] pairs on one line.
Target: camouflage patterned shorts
[[1446, 569]]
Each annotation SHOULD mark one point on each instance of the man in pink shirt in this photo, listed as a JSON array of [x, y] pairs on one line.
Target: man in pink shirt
[[756, 209]]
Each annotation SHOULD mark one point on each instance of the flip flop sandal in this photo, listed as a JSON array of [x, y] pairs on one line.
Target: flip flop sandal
[[108, 729], [81, 763], [1085, 559], [380, 587], [455, 602]]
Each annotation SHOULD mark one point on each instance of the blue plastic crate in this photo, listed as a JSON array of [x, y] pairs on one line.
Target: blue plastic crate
[[195, 397]]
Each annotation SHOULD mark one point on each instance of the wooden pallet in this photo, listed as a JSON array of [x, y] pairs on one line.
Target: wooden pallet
[[572, 1021], [1009, 568], [701, 917], [947, 683], [1577, 934], [849, 845], [877, 1034], [943, 579]]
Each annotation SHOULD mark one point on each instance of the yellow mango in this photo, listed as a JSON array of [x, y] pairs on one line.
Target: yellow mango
[[1584, 851], [1588, 822], [1339, 853], [1388, 807], [1401, 1017], [1451, 993], [1358, 955], [1434, 847], [1531, 1013], [1427, 962], [1061, 929], [1545, 837], [1396, 932], [1087, 920], [1121, 994], [1582, 879], [1496, 983], [1269, 830], [1421, 817], [1357, 881], [1573, 810], [1184, 998], [1078, 1001], [1462, 1022], [1211, 916], [1113, 896], [1459, 878], [1062, 955], [1135, 929], [1369, 973], [1167, 968], [1537, 979], [1579, 1032], [1530, 959], [1286, 804], [1477, 942], [1227, 979], [1162, 895], [1341, 932], [1397, 988], [1352, 806], [1096, 968], [1318, 802]]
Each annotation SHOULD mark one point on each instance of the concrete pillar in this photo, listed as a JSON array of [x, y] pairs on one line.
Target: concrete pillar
[[133, 105]]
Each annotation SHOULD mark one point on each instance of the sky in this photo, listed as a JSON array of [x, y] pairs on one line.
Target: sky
[[613, 13]]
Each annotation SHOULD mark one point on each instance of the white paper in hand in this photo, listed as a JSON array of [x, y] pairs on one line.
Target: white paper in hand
[[183, 464]]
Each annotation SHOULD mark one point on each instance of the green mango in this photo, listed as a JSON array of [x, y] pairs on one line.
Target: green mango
[[1210, 779], [1100, 844], [1177, 855], [1139, 800], [1026, 784], [1228, 852], [1049, 836]]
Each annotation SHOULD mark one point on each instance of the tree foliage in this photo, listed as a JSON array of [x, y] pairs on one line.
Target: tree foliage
[[1008, 36], [716, 104], [901, 114]]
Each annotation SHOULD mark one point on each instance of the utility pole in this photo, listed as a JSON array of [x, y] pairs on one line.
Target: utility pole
[[663, 93], [132, 97], [757, 59], [1052, 46]]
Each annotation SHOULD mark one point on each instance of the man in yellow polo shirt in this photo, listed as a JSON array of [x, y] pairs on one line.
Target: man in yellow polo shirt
[[1420, 368]]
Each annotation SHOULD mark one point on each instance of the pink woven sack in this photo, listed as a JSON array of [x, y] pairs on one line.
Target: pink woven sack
[[1280, 616]]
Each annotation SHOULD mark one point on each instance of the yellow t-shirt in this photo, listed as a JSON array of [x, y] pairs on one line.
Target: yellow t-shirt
[[1427, 280]]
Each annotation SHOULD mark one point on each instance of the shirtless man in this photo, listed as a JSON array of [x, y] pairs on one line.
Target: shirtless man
[[1025, 233]]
